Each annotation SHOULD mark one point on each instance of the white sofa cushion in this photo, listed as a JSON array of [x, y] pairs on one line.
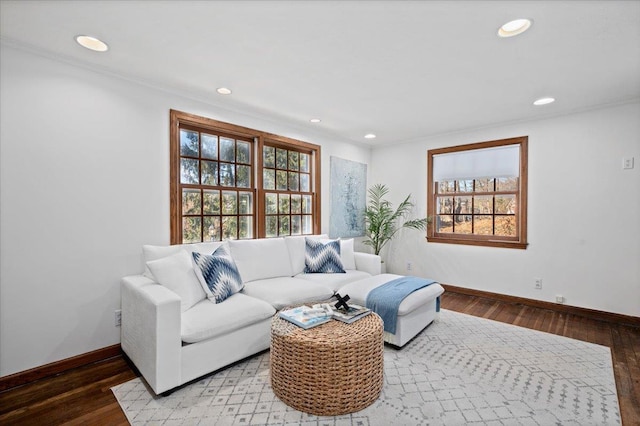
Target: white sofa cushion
[[296, 246], [206, 319], [217, 273], [261, 258], [176, 273], [287, 291], [335, 281]]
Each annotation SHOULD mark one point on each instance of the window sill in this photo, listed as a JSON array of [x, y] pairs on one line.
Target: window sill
[[486, 243]]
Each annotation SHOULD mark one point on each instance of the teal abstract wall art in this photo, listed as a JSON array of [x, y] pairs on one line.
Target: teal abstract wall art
[[348, 186]]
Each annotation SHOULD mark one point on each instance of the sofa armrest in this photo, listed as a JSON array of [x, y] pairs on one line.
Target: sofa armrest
[[367, 262], [150, 331]]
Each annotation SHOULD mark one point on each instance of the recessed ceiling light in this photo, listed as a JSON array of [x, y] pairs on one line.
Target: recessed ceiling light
[[315, 120], [543, 101], [369, 136], [515, 27], [92, 43], [223, 91]]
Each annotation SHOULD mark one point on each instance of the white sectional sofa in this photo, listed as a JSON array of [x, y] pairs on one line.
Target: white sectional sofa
[[174, 334]]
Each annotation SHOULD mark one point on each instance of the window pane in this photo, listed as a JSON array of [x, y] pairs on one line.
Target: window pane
[[296, 225], [506, 204], [462, 224], [284, 225], [227, 174], [212, 228], [269, 156], [281, 180], [483, 204], [191, 229], [465, 185], [191, 201], [245, 228], [209, 146], [293, 181], [211, 202], [483, 225], [445, 205], [210, 173], [246, 203], [188, 143], [243, 177], [304, 183], [189, 171], [306, 204], [446, 186], [483, 185], [243, 152], [283, 206], [268, 179], [281, 158], [462, 205], [271, 204], [229, 227], [444, 223], [229, 202], [307, 228], [304, 163], [294, 163], [227, 149], [507, 184], [296, 203], [506, 226], [271, 226]]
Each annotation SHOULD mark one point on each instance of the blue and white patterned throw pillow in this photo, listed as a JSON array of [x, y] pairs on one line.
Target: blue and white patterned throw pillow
[[217, 273], [322, 257]]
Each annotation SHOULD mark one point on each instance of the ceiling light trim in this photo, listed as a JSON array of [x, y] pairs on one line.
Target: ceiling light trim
[[91, 43], [544, 101], [514, 27]]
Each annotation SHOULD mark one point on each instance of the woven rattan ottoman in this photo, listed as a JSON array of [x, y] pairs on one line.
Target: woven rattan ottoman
[[332, 369]]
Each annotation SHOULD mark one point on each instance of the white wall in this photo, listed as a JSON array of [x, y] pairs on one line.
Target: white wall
[[583, 215], [84, 183]]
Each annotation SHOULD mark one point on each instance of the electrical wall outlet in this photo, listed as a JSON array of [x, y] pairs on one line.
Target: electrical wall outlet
[[559, 298], [537, 283], [409, 265], [627, 163], [118, 317]]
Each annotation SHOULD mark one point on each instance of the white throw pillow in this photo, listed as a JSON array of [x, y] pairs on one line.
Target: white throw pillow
[[158, 252], [347, 254], [176, 273]]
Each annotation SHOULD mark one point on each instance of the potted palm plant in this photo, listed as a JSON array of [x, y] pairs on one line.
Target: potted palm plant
[[382, 221]]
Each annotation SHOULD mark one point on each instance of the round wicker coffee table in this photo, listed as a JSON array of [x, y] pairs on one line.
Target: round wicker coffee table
[[332, 369]]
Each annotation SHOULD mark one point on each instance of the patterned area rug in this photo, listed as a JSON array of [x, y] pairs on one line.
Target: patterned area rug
[[461, 370]]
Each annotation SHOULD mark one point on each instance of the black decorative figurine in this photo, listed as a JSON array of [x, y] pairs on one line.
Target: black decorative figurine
[[342, 301]]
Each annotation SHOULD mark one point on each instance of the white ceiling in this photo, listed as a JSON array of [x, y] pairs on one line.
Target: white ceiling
[[403, 70]]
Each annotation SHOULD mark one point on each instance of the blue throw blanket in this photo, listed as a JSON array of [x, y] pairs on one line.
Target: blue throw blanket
[[385, 300]]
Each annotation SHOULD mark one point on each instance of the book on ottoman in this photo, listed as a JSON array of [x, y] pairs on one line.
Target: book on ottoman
[[305, 317], [354, 313]]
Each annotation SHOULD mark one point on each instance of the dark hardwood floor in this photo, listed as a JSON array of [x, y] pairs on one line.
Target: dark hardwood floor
[[83, 395]]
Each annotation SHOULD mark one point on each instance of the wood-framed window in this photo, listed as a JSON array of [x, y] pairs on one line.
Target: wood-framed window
[[477, 193], [220, 175], [287, 178]]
